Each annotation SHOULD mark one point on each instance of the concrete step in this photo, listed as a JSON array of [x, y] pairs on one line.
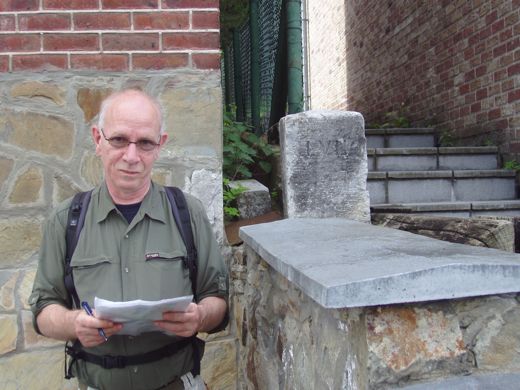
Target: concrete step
[[414, 159], [400, 137], [441, 186], [506, 208]]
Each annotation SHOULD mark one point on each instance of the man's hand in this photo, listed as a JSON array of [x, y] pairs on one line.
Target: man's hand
[[60, 323], [201, 317], [86, 329], [185, 323]]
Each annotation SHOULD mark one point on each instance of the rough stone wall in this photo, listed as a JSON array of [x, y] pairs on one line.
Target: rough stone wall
[[286, 341], [58, 59], [452, 64], [327, 64]]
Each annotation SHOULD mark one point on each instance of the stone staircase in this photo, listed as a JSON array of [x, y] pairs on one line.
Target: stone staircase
[[409, 174]]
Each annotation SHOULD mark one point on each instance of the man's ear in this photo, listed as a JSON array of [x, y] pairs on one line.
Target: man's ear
[[96, 137], [164, 138]]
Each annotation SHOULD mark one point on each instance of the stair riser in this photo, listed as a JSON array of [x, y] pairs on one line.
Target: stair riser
[[400, 141], [431, 162], [440, 190]]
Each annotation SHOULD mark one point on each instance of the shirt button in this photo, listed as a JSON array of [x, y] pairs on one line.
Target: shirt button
[[126, 235], [127, 270], [135, 370]]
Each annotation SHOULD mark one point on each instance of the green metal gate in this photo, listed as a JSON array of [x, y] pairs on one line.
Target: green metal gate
[[262, 67]]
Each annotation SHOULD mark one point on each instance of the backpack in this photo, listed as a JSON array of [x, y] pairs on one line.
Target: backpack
[[75, 221]]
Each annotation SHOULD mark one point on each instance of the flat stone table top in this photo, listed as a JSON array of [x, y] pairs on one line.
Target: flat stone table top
[[343, 263]]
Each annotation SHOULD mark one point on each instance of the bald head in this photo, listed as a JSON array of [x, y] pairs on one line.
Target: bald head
[[134, 99]]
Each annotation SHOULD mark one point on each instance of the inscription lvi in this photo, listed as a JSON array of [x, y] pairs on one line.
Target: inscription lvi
[[322, 148]]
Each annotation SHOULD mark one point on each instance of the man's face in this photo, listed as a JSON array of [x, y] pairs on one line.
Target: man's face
[[128, 169]]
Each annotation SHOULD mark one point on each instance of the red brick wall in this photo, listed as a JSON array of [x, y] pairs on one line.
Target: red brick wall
[[108, 35], [453, 63]]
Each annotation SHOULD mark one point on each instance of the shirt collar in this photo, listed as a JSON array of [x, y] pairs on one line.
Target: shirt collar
[[152, 204]]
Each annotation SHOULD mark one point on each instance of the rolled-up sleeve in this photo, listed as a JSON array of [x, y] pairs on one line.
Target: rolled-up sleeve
[[49, 285]]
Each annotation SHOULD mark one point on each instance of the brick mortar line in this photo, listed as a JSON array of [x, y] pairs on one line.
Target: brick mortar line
[[210, 30], [85, 52], [109, 11]]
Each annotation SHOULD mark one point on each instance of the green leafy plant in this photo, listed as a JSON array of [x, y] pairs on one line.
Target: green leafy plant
[[243, 150], [244, 153], [393, 119], [230, 196], [446, 139], [512, 165]]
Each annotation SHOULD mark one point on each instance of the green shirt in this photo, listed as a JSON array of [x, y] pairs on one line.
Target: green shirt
[[118, 261]]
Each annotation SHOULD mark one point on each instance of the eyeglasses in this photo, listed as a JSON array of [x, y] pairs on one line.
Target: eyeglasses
[[119, 142]]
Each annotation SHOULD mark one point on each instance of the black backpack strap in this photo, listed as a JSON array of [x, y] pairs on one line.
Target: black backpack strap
[[76, 218], [181, 214]]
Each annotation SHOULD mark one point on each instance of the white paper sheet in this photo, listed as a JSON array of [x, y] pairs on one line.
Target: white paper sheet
[[137, 316]]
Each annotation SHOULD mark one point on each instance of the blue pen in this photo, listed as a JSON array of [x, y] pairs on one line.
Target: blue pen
[[87, 308]]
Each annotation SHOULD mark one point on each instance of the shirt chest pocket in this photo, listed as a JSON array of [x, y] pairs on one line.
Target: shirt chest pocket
[[164, 275], [94, 276]]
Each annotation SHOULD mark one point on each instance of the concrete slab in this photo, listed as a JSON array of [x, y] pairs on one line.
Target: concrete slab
[[342, 263], [471, 382]]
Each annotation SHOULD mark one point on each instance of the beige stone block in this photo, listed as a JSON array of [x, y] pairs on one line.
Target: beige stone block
[[28, 187], [39, 370], [219, 368], [404, 336], [193, 120], [89, 99], [161, 176], [47, 134], [6, 165], [37, 89], [63, 189], [8, 333], [7, 286], [25, 288], [19, 239], [32, 339], [498, 343], [92, 169]]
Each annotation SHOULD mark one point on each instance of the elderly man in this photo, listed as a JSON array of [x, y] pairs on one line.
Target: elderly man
[[130, 248]]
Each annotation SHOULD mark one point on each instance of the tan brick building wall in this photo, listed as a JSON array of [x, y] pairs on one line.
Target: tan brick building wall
[[327, 82], [58, 59]]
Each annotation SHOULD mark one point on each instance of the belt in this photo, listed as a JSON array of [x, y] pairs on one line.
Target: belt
[[109, 361]]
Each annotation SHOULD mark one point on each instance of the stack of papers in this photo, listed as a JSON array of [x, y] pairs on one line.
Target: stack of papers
[[137, 316]]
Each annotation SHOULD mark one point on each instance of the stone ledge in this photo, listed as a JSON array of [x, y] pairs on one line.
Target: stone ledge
[[342, 263], [471, 382]]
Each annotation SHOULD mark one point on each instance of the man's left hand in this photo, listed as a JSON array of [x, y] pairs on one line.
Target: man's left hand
[[201, 317], [185, 323]]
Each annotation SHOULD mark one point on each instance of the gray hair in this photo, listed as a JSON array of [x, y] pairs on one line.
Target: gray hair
[[107, 102]]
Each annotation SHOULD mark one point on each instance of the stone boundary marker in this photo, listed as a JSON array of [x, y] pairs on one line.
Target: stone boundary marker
[[324, 165]]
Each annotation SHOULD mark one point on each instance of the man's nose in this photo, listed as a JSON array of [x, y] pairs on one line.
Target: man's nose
[[131, 153]]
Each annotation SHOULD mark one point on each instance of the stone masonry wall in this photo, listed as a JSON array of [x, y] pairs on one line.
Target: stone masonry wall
[[287, 341], [452, 64], [58, 59]]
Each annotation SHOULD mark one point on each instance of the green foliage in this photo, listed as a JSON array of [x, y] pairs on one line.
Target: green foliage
[[393, 119], [230, 196], [512, 165], [446, 139], [489, 142], [244, 152], [233, 13]]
